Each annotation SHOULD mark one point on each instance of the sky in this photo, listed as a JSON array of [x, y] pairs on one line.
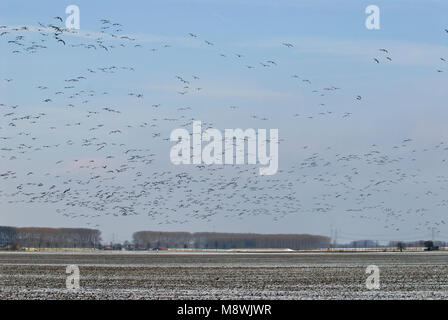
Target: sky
[[362, 146]]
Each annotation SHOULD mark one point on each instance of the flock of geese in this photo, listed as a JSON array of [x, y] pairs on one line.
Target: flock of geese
[[92, 168]]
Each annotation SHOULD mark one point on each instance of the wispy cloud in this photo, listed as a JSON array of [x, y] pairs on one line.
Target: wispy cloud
[[215, 90], [88, 34]]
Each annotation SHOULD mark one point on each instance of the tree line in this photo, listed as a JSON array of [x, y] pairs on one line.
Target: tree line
[[34, 237], [213, 240]]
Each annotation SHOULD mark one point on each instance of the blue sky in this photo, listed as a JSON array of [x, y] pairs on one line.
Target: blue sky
[[403, 98]]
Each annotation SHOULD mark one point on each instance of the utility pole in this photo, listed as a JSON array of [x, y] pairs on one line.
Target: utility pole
[[335, 240], [331, 236]]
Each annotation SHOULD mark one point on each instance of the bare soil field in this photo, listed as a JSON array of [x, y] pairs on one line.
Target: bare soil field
[[163, 275]]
